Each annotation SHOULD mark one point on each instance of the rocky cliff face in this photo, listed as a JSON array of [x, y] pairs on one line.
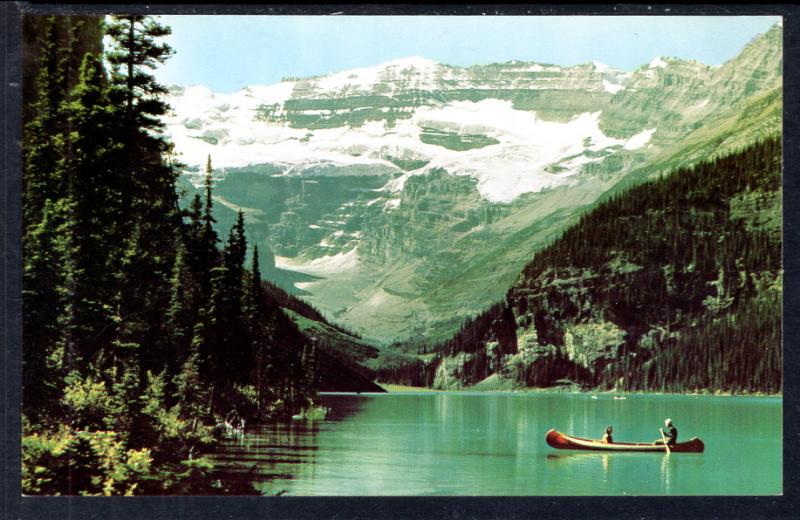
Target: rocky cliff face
[[624, 301], [679, 96], [395, 89], [402, 198]]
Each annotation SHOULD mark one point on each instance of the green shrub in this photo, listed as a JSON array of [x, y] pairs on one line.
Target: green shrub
[[82, 463], [87, 402]]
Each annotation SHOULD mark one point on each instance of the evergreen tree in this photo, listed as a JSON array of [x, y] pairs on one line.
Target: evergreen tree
[[123, 299], [43, 215], [231, 351], [150, 202], [209, 257], [125, 411], [143, 323], [259, 320], [236, 249], [192, 388], [256, 307], [194, 239], [43, 280], [135, 51], [90, 216], [181, 318], [43, 136], [208, 216]]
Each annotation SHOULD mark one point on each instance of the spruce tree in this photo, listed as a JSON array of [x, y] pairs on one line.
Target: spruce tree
[[91, 215], [208, 253], [135, 51], [43, 212], [181, 318], [42, 307], [191, 387], [150, 203], [43, 136], [259, 321], [256, 307], [208, 216], [231, 351], [193, 233], [142, 323]]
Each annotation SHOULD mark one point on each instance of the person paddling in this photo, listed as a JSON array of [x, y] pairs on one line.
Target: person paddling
[[607, 436], [671, 434]]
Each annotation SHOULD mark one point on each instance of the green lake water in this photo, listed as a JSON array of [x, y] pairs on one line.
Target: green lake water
[[461, 443]]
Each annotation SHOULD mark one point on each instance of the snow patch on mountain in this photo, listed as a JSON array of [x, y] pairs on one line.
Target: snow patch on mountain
[[225, 127], [612, 87], [600, 66], [329, 264], [640, 139], [527, 144], [420, 71], [515, 147]]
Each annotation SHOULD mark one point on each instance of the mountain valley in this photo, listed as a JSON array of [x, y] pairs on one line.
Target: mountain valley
[[404, 198]]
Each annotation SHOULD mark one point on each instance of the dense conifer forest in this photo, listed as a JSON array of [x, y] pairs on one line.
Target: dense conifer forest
[[672, 285], [145, 333]]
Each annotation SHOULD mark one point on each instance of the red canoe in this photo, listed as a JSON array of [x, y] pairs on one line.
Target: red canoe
[[563, 441]]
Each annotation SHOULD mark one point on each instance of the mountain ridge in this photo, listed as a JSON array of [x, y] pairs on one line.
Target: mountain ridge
[[356, 181]]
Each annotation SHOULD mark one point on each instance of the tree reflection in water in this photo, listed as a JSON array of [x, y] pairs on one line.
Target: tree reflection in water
[[283, 450]]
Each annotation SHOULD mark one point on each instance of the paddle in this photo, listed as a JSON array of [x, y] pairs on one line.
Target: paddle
[[663, 438]]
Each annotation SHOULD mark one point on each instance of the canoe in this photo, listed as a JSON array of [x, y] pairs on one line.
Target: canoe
[[563, 441]]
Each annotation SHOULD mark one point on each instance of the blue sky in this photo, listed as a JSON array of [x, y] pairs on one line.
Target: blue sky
[[227, 53]]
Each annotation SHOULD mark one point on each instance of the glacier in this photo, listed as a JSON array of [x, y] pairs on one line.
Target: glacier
[[226, 127]]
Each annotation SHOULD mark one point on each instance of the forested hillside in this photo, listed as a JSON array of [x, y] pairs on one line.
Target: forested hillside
[[672, 285], [144, 331]]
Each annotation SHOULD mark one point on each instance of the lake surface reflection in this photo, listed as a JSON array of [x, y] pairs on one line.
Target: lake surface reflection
[[461, 443]]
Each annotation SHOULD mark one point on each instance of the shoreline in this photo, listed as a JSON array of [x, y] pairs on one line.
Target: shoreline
[[399, 389]]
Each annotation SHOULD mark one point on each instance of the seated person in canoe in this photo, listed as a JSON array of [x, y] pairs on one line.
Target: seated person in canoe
[[671, 434], [607, 436]]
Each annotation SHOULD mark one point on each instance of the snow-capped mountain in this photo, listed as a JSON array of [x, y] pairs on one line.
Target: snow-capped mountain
[[408, 109], [415, 191]]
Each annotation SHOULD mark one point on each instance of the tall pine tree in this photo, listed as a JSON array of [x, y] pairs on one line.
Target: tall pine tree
[[181, 307], [43, 219], [43, 136], [151, 199], [231, 350], [92, 217], [259, 321], [209, 254]]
